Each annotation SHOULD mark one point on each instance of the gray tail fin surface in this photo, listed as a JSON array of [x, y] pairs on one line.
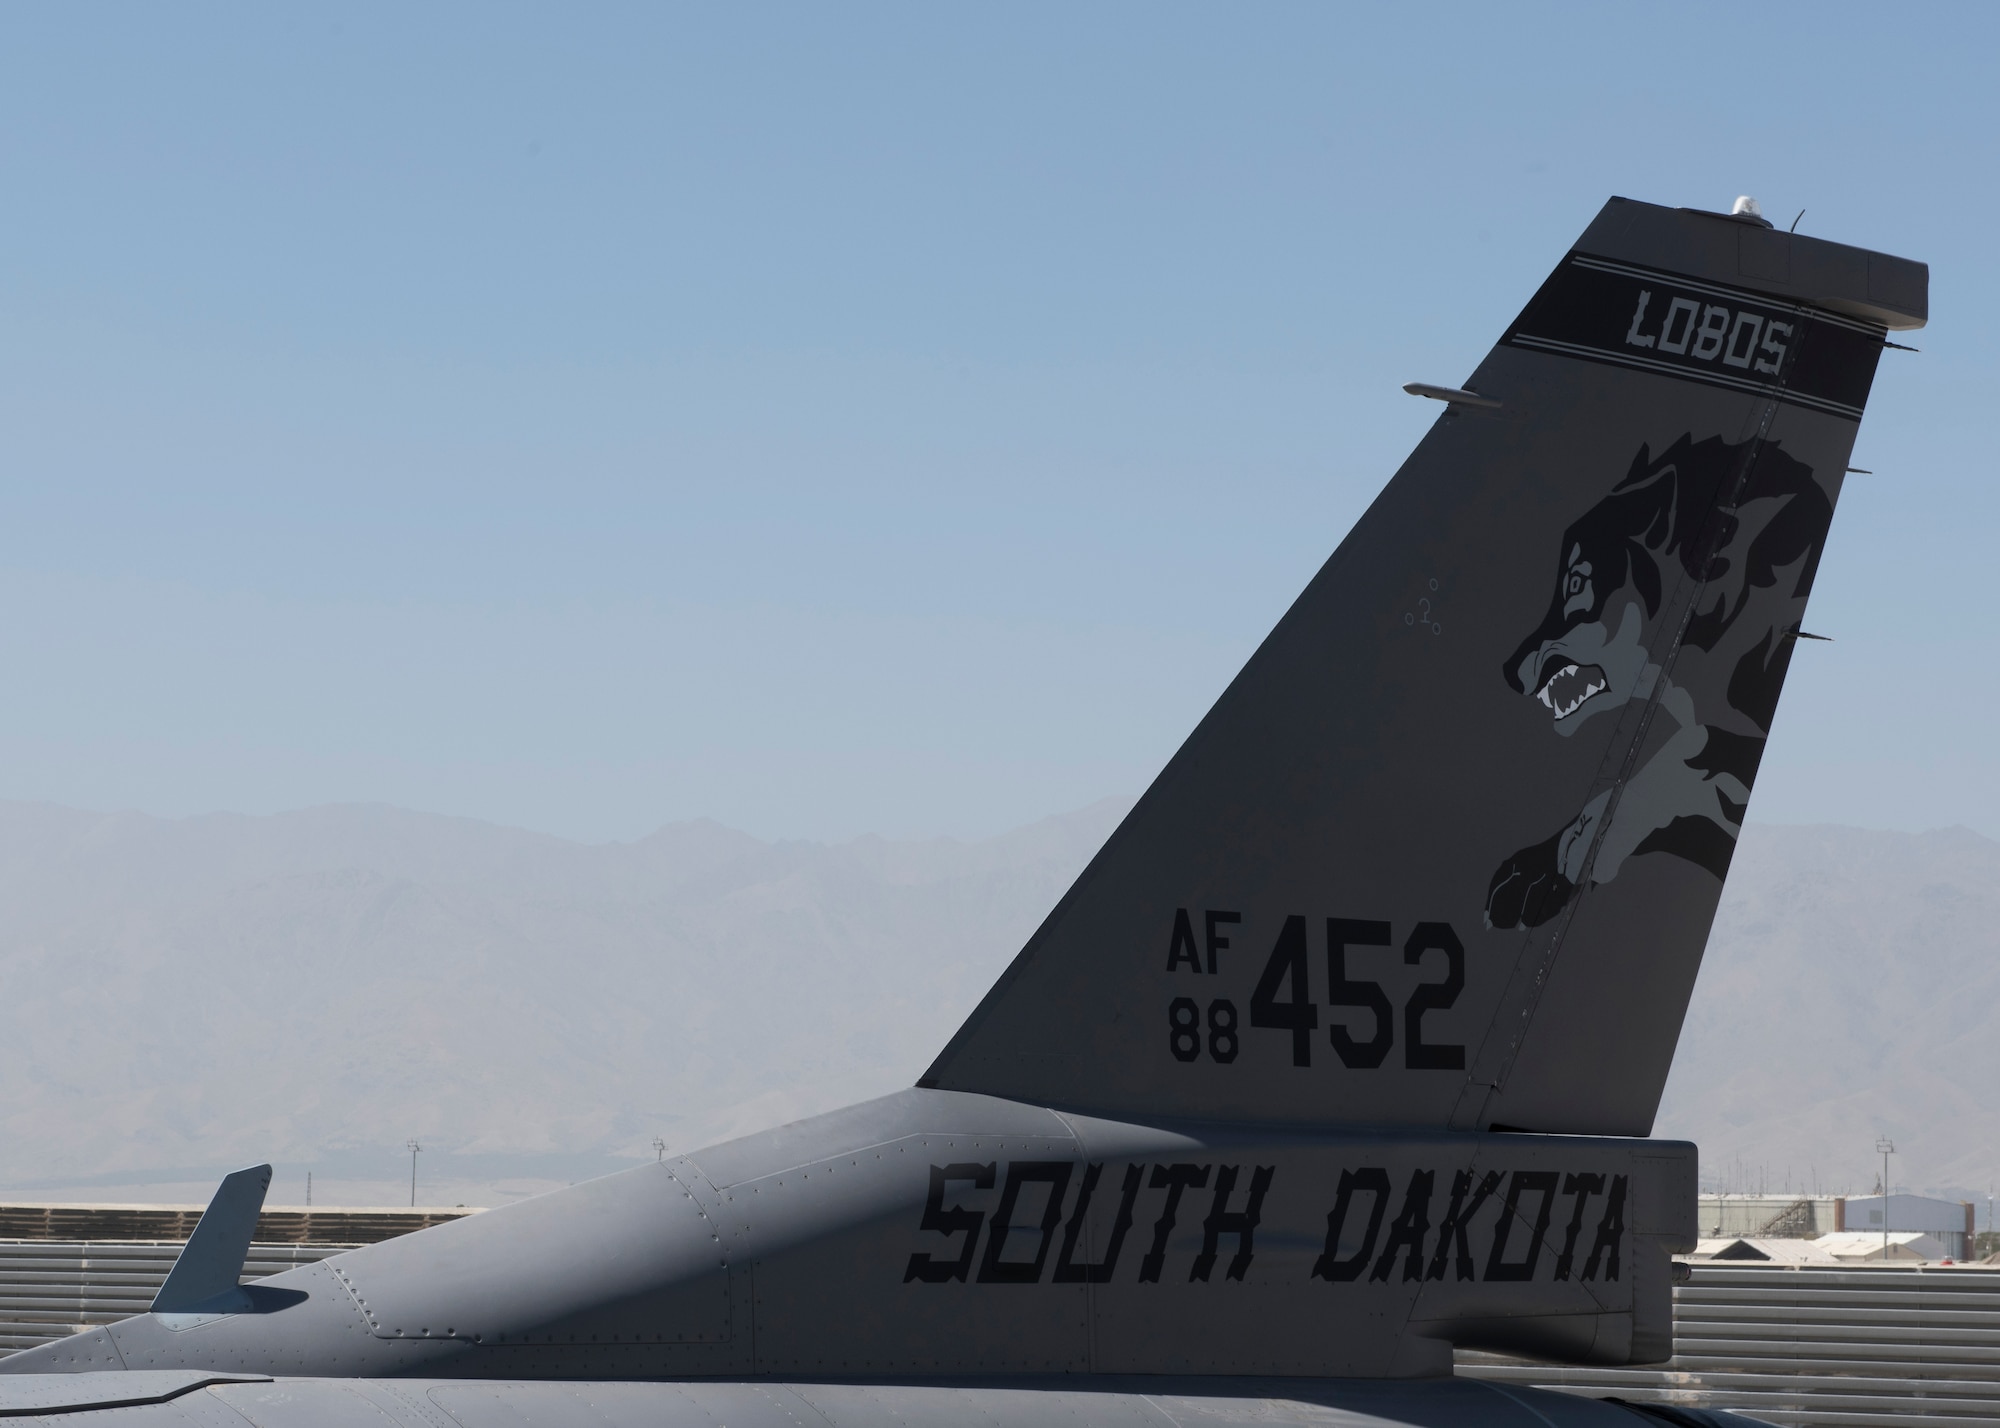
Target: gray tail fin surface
[[205, 1277], [1446, 852]]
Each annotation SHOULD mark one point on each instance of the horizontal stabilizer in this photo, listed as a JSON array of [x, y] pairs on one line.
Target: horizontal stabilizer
[[49, 1394]]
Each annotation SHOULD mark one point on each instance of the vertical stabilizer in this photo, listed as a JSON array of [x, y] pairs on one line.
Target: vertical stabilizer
[[1446, 852]]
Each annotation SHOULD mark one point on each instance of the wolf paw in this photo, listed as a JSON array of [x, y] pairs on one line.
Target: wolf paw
[[1529, 888]]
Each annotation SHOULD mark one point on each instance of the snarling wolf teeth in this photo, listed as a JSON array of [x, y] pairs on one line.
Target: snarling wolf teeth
[[1568, 689]]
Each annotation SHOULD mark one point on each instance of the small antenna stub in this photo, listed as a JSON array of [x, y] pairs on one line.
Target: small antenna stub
[[1457, 396]]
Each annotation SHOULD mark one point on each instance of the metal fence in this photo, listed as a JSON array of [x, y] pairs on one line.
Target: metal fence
[[337, 1225], [1851, 1346], [70, 1267], [49, 1288]]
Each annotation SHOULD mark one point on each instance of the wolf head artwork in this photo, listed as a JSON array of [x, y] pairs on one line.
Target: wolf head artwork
[[1744, 524]]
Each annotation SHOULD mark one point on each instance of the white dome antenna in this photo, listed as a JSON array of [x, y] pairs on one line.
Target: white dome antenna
[[1748, 210]]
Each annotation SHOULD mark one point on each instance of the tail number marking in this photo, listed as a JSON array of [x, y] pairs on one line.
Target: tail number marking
[[1363, 1029]]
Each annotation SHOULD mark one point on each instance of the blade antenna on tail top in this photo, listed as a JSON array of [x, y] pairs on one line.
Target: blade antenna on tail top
[[206, 1276]]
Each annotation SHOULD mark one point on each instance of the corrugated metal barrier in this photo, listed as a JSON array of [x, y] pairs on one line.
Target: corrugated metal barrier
[[69, 1267], [1793, 1346], [49, 1288], [1849, 1346], [339, 1225]]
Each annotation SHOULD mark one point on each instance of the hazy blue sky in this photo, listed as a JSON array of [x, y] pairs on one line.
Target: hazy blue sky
[[844, 418]]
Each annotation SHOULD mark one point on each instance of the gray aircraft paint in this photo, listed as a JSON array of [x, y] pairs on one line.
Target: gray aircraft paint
[[805, 1251], [199, 1400], [1336, 1055]]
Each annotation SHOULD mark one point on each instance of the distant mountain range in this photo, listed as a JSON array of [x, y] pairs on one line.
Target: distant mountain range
[[315, 988], [1851, 990]]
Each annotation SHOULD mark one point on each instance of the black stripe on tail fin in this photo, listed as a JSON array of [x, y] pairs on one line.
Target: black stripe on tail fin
[[1446, 851]]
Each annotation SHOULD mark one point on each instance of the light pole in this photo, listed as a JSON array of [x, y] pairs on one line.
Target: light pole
[[414, 1148], [1885, 1148], [660, 1150]]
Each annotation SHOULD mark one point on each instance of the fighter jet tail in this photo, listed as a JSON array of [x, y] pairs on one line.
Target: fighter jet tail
[[1436, 869], [1446, 852]]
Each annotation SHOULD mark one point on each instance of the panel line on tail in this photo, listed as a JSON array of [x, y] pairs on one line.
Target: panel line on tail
[[1647, 364], [1672, 325], [1716, 528], [1713, 289]]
